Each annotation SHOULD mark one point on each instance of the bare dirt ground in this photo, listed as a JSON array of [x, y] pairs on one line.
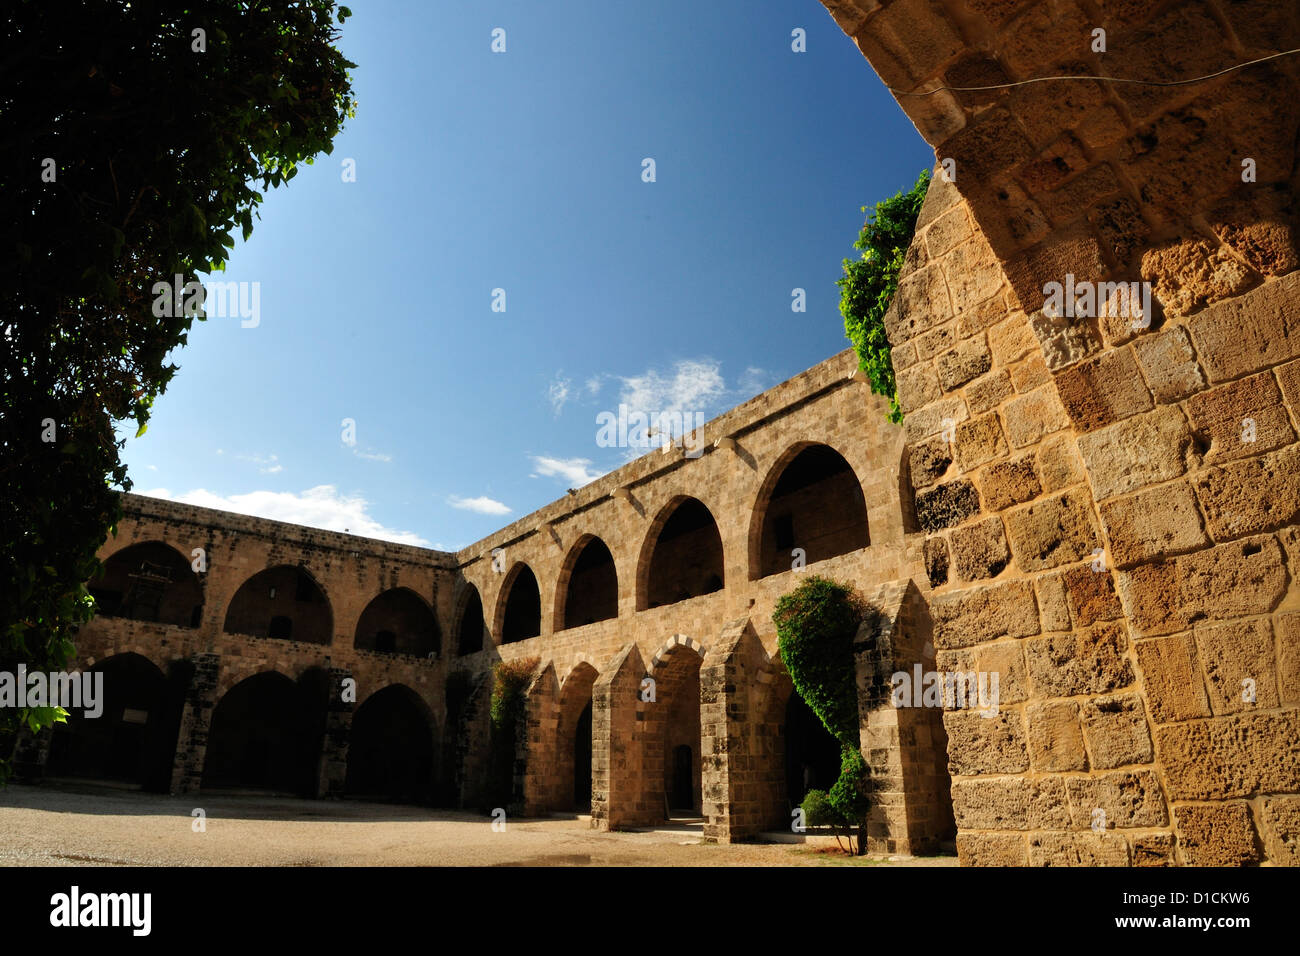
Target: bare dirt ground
[[83, 825]]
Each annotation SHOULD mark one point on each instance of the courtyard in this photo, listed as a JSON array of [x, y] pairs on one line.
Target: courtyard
[[100, 826]]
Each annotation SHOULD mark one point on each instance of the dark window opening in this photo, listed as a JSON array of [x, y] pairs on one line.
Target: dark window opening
[[386, 641], [281, 627]]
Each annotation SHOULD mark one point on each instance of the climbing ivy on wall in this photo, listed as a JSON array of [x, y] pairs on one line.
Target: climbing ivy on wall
[[509, 681], [816, 625], [868, 285]]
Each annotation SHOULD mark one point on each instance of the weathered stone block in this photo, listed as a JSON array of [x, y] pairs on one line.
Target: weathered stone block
[[1091, 595], [974, 615], [1064, 339], [1052, 532], [1280, 823], [979, 550], [928, 460], [1172, 678], [1055, 736], [979, 440], [916, 387], [1100, 391], [1216, 834], [1116, 730], [1169, 364], [992, 849], [935, 553], [1077, 849], [1153, 523], [1129, 798], [1251, 333], [920, 303], [1288, 657], [1190, 272], [1241, 419], [988, 392], [1136, 452], [1009, 483], [1152, 849], [1149, 593], [1059, 464], [1079, 662], [1236, 756], [1010, 803], [985, 745], [1233, 654], [1232, 580], [968, 360], [946, 505], [1250, 496], [1053, 603], [1007, 660]]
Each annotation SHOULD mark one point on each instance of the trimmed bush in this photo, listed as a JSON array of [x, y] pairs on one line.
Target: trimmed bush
[[816, 625]]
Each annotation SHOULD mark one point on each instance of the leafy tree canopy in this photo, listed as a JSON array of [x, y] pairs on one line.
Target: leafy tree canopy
[[868, 285], [135, 137]]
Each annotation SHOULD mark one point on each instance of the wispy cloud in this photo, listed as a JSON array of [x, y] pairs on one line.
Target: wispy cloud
[[371, 456], [692, 385], [320, 507], [558, 393], [482, 505], [265, 465], [594, 384], [572, 470], [753, 381]]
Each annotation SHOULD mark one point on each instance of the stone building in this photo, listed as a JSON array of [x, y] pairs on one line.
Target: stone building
[[1098, 504]]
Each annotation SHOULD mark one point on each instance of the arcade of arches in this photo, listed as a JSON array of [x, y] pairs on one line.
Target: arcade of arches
[[651, 618]]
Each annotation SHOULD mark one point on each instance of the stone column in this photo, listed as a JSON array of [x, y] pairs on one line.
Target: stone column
[[538, 784], [332, 771], [196, 720], [617, 771], [729, 682], [905, 748]]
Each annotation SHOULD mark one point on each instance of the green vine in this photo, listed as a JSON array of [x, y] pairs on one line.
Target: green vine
[[868, 285]]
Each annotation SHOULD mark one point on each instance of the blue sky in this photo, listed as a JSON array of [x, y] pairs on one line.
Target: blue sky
[[523, 171]]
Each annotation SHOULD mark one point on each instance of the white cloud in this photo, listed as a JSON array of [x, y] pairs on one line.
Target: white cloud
[[482, 505], [572, 470], [371, 456], [752, 382], [693, 385], [593, 385], [319, 507], [558, 393], [265, 466]]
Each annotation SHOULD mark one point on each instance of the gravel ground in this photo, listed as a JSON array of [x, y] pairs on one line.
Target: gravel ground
[[83, 825]]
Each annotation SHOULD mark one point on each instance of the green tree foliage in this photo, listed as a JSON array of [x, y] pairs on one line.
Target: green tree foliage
[[508, 707], [129, 156], [868, 285], [816, 625]]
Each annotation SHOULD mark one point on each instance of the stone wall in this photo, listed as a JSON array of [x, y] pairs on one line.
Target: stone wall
[[1110, 504]]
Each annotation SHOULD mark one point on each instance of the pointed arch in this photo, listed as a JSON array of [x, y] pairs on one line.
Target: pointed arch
[[284, 602], [682, 555], [587, 589], [811, 500]]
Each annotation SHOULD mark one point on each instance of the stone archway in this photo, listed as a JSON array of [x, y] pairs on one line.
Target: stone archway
[[811, 501], [133, 738], [393, 748], [284, 603]]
